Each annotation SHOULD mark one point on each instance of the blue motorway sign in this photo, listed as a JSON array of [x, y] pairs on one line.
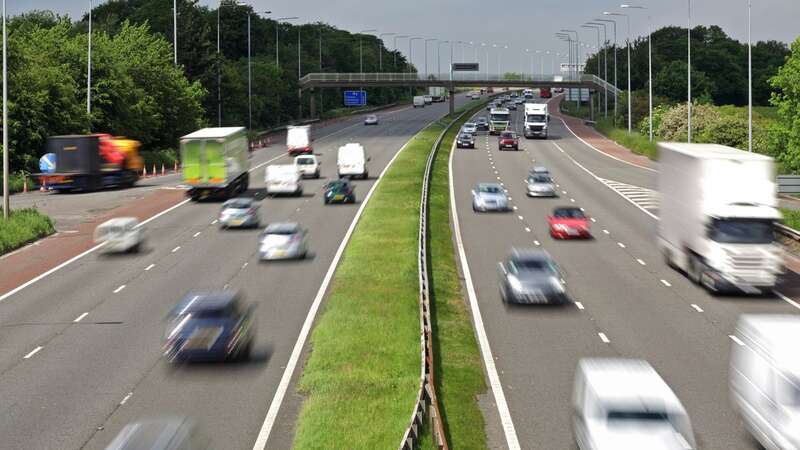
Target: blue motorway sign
[[355, 98]]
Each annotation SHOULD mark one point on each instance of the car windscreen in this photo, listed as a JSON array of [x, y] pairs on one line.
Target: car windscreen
[[741, 231], [532, 265], [540, 179], [286, 229], [238, 204], [569, 214], [535, 118], [489, 189], [469, 125], [337, 186], [627, 416]]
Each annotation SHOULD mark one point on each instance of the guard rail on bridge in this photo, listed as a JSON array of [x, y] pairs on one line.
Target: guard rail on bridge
[[459, 79]]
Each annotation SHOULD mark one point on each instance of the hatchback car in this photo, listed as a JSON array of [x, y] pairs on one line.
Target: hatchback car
[[339, 191], [163, 433], [482, 123], [210, 326], [539, 170], [308, 165], [283, 241], [508, 139], [531, 276], [469, 127], [239, 212], [489, 197], [465, 140], [120, 234], [541, 185], [371, 119], [568, 222]]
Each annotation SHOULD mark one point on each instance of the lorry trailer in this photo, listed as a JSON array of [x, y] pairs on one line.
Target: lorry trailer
[[215, 162]]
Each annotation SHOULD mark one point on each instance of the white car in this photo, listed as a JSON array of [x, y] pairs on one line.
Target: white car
[[120, 235], [371, 119], [469, 127], [308, 165], [428, 99], [283, 179], [283, 241]]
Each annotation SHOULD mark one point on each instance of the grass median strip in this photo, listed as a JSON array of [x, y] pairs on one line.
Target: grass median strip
[[23, 227], [362, 376]]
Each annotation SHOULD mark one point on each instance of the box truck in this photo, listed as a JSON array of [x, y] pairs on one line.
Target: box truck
[[91, 162], [765, 378], [437, 94], [537, 117], [717, 213], [215, 162], [298, 140]]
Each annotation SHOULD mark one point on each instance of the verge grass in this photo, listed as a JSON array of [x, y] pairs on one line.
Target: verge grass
[[22, 227], [362, 377]]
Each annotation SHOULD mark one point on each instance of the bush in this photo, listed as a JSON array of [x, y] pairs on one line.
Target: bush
[[24, 226], [635, 142], [167, 157]]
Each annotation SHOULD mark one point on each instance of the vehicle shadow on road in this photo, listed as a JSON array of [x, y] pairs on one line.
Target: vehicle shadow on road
[[547, 309], [258, 359]]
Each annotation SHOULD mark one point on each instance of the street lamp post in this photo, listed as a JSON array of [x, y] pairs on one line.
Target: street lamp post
[[277, 37], [628, 17], [394, 53], [749, 82], [597, 28], [689, 76], [89, 70], [6, 202], [438, 60], [361, 50], [380, 49], [426, 55], [649, 66], [175, 30], [410, 41], [614, 22], [605, 61]]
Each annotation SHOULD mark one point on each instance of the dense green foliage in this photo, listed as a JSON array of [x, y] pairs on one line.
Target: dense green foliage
[[787, 100], [24, 226], [719, 65]]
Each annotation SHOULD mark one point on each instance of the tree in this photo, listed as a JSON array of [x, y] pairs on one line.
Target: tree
[[671, 82], [787, 99]]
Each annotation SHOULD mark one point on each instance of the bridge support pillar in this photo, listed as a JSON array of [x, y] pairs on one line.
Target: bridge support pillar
[[312, 104], [452, 100]]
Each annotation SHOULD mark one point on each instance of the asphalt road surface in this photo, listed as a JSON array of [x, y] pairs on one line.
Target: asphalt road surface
[[80, 351], [628, 302]]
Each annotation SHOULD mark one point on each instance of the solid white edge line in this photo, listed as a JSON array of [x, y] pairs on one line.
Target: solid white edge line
[[600, 151], [294, 358], [737, 340], [146, 269], [506, 421], [127, 397], [176, 249], [787, 299], [119, 289], [32, 352], [79, 318]]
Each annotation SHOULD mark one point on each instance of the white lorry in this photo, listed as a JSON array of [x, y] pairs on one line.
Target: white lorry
[[283, 179], [717, 213], [624, 404], [419, 101], [352, 161], [437, 94], [499, 120], [537, 117], [298, 140], [765, 378]]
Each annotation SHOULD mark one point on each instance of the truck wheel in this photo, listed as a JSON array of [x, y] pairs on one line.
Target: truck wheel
[[695, 270]]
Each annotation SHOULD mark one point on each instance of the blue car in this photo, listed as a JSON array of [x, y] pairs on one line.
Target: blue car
[[210, 326]]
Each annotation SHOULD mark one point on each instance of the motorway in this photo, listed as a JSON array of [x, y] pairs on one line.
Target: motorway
[[628, 303], [80, 350]]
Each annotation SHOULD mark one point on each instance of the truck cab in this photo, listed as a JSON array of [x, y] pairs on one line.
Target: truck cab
[[499, 120], [537, 118]]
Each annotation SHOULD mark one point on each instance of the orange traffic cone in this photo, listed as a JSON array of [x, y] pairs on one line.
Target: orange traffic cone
[[43, 187], [25, 184], [154, 169], [175, 169], [144, 171], [162, 169]]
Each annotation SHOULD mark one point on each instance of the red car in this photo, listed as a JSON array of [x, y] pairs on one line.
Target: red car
[[508, 139], [569, 222]]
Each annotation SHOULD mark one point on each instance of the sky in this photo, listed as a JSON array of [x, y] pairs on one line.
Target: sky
[[520, 25]]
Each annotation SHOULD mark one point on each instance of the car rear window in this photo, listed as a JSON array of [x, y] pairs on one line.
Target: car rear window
[[507, 135], [569, 213], [304, 161], [239, 204], [489, 189]]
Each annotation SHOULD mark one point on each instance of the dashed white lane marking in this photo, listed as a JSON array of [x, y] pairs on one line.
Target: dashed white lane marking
[[537, 243], [527, 230], [515, 208], [498, 178], [621, 245], [640, 262], [33, 352], [582, 209], [697, 308], [603, 337], [146, 269], [244, 265], [214, 221], [197, 234], [119, 289], [593, 219], [127, 397], [737, 340], [521, 218], [79, 318], [579, 305], [787, 299], [564, 192], [666, 283], [176, 249], [572, 200], [509, 198], [605, 231]]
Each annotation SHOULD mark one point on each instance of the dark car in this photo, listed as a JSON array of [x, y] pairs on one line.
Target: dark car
[[531, 276], [465, 140], [482, 123], [339, 191], [210, 326], [508, 139], [511, 106]]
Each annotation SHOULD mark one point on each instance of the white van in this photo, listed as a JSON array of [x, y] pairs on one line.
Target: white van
[[765, 378], [419, 101], [624, 404], [120, 234], [352, 161], [283, 179], [298, 140], [308, 165]]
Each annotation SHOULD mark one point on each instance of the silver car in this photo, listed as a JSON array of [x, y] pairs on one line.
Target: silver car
[[531, 276], [469, 127], [241, 212], [539, 170], [283, 241], [371, 119], [489, 197], [541, 185]]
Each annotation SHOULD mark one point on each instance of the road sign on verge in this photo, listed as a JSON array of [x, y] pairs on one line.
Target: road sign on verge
[[465, 67], [355, 98]]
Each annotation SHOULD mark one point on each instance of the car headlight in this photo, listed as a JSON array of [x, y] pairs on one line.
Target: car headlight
[[514, 283], [557, 285]]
